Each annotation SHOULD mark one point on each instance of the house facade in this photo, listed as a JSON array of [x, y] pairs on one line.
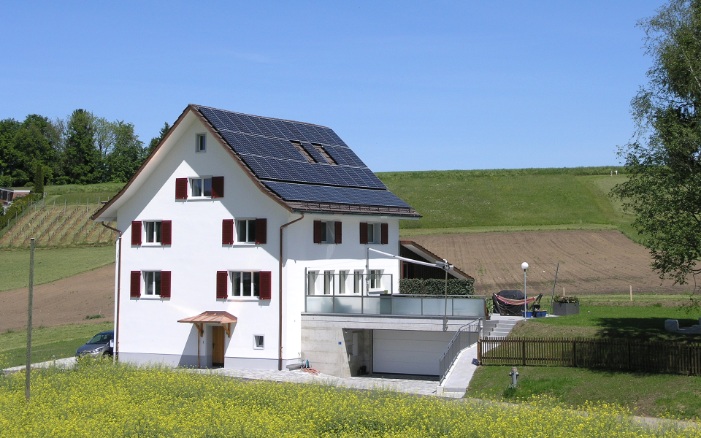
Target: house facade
[[227, 229]]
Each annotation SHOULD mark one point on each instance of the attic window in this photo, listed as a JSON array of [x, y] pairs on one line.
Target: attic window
[[319, 148], [307, 156], [201, 143]]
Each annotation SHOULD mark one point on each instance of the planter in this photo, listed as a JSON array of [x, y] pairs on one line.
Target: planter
[[563, 309]]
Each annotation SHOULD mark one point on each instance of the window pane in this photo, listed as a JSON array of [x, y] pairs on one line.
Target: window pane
[[207, 186], [241, 231], [236, 284], [251, 237], [246, 284], [196, 184], [256, 284]]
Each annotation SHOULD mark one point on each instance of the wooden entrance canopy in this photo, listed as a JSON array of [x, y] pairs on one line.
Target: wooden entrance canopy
[[211, 317]]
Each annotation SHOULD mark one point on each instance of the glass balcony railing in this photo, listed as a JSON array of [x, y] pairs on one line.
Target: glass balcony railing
[[414, 305]]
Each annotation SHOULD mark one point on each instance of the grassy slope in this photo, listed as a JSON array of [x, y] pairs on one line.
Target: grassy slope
[[465, 201], [50, 264]]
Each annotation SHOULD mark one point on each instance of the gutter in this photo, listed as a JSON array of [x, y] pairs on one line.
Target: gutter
[[117, 292], [279, 333]]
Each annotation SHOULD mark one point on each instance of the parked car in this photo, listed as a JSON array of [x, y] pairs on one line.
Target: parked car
[[100, 345]]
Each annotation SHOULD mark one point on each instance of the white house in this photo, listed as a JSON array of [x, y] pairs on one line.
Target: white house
[[226, 229]]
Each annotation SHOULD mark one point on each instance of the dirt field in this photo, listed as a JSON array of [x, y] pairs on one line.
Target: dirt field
[[72, 300], [590, 262]]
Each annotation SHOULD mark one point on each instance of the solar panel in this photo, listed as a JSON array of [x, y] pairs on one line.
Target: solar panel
[[264, 144], [335, 195]]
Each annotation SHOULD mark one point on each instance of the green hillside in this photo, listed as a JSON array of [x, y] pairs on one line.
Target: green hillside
[[524, 199]]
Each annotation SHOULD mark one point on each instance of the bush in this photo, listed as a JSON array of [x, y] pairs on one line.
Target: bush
[[434, 286], [18, 207], [560, 299]]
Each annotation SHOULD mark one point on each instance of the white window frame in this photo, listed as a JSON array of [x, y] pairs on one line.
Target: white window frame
[[239, 283], [259, 342], [201, 142], [328, 282], [152, 232], [201, 184], [245, 231], [328, 232], [152, 283]]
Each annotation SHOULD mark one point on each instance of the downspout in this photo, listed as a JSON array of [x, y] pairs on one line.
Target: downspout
[[279, 332], [117, 292]]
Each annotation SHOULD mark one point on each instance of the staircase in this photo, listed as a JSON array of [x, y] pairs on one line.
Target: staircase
[[499, 326]]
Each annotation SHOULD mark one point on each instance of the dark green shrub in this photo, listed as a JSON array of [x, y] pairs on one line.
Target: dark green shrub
[[433, 286]]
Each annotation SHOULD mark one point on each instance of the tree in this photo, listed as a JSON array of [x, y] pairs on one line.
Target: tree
[[154, 141], [8, 153], [38, 177], [663, 159], [126, 155], [82, 161]]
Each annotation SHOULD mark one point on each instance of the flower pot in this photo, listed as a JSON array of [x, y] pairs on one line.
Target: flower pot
[[563, 309]]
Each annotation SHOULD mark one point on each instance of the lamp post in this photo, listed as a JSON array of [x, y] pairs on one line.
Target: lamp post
[[524, 266]]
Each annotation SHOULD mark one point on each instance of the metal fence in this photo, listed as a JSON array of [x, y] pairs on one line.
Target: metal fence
[[606, 354], [465, 336]]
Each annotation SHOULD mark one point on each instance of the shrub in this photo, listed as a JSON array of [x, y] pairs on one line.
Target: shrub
[[560, 299], [434, 286], [18, 207]]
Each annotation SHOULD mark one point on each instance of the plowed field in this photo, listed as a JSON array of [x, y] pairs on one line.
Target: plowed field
[[591, 262]]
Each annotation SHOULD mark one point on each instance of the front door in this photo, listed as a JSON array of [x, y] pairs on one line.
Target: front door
[[217, 346]]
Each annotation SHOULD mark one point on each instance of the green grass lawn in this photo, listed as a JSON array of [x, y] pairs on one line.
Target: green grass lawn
[[527, 198], [50, 264], [655, 395], [47, 343], [644, 394]]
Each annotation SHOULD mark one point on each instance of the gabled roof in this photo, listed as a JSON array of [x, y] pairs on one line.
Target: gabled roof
[[307, 166], [302, 166]]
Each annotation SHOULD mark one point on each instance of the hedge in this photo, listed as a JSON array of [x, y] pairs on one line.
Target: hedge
[[433, 286]]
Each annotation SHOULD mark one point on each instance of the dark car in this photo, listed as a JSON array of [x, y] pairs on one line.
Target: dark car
[[100, 345]]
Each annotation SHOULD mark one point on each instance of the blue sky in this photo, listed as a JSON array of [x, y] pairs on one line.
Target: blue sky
[[413, 85]]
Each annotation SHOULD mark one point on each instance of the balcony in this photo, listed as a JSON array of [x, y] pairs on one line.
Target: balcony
[[366, 300]]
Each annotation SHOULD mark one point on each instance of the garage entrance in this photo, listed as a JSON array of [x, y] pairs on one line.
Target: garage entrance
[[408, 352]]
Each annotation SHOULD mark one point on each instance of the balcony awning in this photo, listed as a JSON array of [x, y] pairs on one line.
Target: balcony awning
[[211, 317]]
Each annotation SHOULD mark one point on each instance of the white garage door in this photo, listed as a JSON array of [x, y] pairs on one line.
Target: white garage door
[[408, 352]]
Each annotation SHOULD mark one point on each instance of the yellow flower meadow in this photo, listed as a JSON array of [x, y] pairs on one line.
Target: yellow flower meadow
[[102, 399]]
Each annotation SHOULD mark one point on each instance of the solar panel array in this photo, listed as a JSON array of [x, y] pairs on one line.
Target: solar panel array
[[266, 146], [335, 195]]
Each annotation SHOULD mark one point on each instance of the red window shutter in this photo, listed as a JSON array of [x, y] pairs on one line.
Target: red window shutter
[[317, 231], [266, 285], [338, 232], [261, 231], [217, 187], [135, 287], [165, 284], [384, 233], [180, 188], [136, 233], [222, 280], [227, 231], [363, 233], [166, 232]]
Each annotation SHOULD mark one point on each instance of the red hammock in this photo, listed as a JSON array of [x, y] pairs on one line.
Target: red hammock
[[515, 302]]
